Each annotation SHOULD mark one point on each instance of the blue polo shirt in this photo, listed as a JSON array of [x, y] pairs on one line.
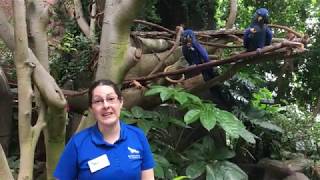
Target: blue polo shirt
[[123, 160]]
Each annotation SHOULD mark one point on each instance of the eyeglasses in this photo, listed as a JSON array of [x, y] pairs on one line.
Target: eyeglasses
[[109, 100]]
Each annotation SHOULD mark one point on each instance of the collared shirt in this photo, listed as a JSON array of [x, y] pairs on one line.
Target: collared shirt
[[88, 156]]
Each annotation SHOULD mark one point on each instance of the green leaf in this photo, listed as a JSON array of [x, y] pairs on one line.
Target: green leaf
[[224, 170], [196, 169], [191, 116], [125, 114], [130, 121], [159, 172], [267, 125], [208, 119], [181, 178], [165, 95], [145, 125], [181, 97], [248, 136], [155, 90], [177, 122], [137, 112], [161, 161], [223, 153], [230, 123], [194, 98]]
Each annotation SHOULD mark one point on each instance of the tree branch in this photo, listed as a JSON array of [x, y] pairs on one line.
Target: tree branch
[[5, 172], [83, 24], [48, 88], [229, 60], [174, 47], [287, 29], [232, 15], [154, 25]]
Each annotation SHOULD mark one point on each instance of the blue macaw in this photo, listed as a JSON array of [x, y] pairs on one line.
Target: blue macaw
[[258, 34], [194, 53]]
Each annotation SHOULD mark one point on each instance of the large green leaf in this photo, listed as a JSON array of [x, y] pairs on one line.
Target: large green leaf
[[191, 116], [126, 114], [223, 153], [181, 97], [159, 172], [208, 119], [155, 90], [267, 125], [230, 123], [161, 161], [196, 169], [165, 95], [137, 111], [224, 170], [145, 125], [177, 122], [248, 136]]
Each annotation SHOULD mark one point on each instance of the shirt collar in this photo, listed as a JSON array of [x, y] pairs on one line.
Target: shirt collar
[[97, 136]]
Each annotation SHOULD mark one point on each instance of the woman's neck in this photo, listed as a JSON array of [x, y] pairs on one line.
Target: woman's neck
[[110, 133]]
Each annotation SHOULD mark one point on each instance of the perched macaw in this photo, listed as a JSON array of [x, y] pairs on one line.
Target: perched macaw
[[258, 34], [194, 53]]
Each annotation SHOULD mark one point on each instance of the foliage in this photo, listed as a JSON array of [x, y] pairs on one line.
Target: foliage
[[301, 130], [6, 62], [73, 58], [263, 99], [289, 13], [206, 113], [142, 118], [151, 12], [207, 158], [201, 158], [197, 13], [303, 85]]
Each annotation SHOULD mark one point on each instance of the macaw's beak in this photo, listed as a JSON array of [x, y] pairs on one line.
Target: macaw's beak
[[253, 30], [260, 18], [188, 41]]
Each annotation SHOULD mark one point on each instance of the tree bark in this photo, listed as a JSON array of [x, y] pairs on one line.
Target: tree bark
[[83, 24], [5, 172], [38, 20], [232, 14], [50, 93], [6, 112], [114, 42], [24, 70], [92, 27], [54, 116]]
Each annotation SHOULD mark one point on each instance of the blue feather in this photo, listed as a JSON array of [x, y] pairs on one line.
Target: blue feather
[[258, 34], [194, 53]]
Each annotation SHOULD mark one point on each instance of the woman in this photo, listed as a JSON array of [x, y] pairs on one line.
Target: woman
[[110, 149]]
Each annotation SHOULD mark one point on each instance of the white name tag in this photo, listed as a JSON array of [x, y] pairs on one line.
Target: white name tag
[[98, 163]]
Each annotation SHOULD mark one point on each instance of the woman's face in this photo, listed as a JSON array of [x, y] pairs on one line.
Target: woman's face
[[106, 105]]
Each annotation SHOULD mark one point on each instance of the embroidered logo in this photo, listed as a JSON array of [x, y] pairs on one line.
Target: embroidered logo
[[134, 153]]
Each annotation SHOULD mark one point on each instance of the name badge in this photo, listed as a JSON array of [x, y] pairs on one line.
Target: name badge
[[98, 163]]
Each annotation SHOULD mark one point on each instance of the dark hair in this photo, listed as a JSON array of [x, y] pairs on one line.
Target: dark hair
[[103, 82]]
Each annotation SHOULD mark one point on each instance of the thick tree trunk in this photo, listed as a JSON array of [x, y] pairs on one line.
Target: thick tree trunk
[[6, 112], [54, 134], [114, 42], [27, 67], [55, 116], [24, 70], [5, 172]]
